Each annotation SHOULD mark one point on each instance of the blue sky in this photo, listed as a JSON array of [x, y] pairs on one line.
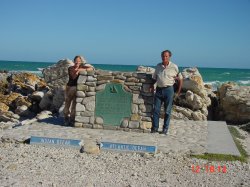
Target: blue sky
[[203, 33]]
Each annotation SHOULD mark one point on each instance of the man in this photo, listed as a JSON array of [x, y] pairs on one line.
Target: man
[[165, 76]]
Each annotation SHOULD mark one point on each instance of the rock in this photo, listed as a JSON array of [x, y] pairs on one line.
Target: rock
[[61, 110], [37, 96], [80, 107], [91, 148], [246, 127], [98, 120], [46, 101], [57, 75], [234, 103], [23, 100], [146, 125], [193, 102], [134, 109], [44, 115], [21, 109], [26, 83], [28, 121], [8, 116], [198, 116], [144, 69], [192, 80], [4, 117], [184, 111], [134, 124], [3, 107], [124, 123], [82, 119], [3, 83], [58, 98], [9, 99]]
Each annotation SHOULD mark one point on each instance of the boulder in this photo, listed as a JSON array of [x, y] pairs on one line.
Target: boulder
[[37, 96], [143, 69], [91, 148], [3, 83], [23, 100], [9, 99], [57, 75], [58, 98], [25, 83], [193, 102], [234, 103], [22, 110], [246, 127], [3, 107], [44, 115], [9, 116], [46, 101], [192, 80]]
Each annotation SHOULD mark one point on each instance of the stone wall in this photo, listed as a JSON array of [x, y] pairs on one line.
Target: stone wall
[[137, 84], [192, 104]]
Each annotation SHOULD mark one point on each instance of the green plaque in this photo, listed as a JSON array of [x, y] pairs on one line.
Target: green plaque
[[113, 104]]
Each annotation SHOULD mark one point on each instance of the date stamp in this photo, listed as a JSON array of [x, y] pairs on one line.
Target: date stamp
[[208, 169]]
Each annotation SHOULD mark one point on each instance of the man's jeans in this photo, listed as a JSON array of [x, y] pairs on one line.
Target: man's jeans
[[165, 95]]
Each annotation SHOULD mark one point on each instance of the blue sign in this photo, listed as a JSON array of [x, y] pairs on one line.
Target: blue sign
[[127, 147], [55, 141]]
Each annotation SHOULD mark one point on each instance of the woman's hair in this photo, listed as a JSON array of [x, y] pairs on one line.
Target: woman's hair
[[166, 51], [82, 59]]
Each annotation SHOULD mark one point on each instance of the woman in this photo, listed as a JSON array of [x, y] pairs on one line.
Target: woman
[[70, 91]]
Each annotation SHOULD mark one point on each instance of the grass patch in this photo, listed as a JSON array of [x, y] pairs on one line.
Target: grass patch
[[242, 151], [222, 157], [235, 133]]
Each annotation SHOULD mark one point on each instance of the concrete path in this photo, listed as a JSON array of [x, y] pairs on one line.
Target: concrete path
[[219, 139], [185, 137]]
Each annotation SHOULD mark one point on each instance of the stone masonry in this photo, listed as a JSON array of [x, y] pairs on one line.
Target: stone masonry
[[135, 83]]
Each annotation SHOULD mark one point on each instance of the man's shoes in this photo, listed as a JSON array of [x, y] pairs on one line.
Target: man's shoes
[[164, 131], [154, 130]]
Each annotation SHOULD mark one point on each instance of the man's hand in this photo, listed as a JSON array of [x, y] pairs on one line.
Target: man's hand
[[176, 96]]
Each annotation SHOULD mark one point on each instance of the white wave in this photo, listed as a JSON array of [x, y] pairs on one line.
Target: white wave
[[245, 82], [38, 73], [214, 84], [28, 71], [226, 73]]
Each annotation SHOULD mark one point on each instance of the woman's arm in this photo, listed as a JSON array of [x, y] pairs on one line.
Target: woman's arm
[[87, 68]]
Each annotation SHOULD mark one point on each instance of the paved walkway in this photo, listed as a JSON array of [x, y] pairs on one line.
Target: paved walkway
[[184, 137], [219, 140]]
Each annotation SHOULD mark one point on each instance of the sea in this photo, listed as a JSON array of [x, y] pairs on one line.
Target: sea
[[212, 76]]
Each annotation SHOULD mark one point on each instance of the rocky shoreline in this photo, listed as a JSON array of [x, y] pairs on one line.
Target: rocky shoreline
[[28, 102], [25, 96]]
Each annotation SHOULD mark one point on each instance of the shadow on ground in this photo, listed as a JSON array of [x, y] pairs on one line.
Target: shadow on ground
[[53, 120]]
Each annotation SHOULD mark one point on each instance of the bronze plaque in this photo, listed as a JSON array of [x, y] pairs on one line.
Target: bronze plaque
[[113, 104]]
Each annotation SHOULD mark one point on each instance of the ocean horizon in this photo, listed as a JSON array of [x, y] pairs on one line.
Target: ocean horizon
[[212, 76]]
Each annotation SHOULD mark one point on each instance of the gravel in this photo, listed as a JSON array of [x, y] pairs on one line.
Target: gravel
[[34, 165]]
